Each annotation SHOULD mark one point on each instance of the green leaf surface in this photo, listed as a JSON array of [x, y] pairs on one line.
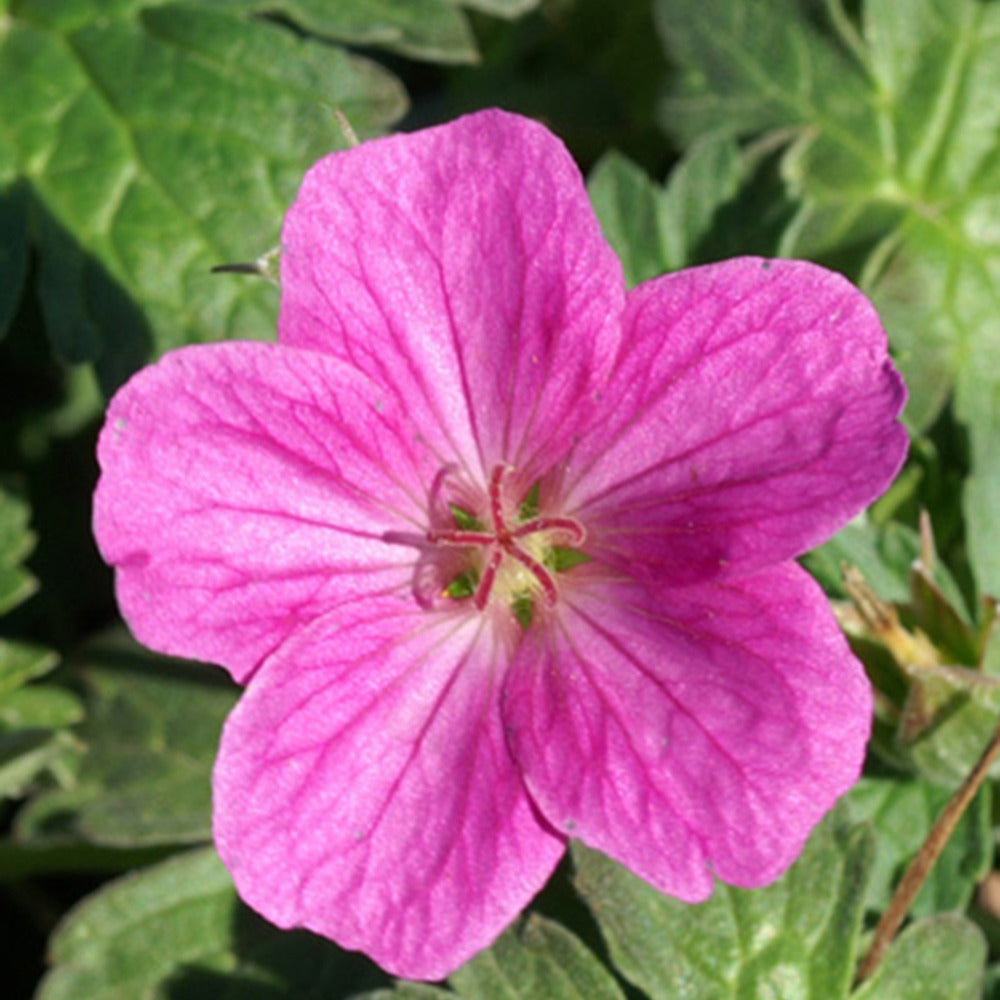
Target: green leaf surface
[[940, 958], [177, 930], [537, 958], [540, 959], [903, 810], [884, 555], [159, 141], [409, 991], [151, 736], [500, 8], [40, 706], [657, 229], [796, 938], [16, 542], [434, 30], [20, 662], [749, 67], [25, 754]]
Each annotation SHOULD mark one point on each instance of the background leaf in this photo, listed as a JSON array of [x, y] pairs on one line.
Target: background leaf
[[151, 735], [936, 959], [167, 139], [652, 229], [902, 811], [31, 717], [541, 959], [796, 938], [207, 945]]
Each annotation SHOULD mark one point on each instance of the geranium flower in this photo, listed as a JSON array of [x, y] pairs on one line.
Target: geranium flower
[[501, 552]]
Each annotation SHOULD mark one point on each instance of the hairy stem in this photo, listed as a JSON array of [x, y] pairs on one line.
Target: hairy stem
[[920, 867]]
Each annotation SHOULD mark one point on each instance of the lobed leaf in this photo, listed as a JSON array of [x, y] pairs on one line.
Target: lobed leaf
[[656, 229], [178, 930], [538, 958], [151, 735], [796, 938], [940, 958], [16, 542], [158, 141]]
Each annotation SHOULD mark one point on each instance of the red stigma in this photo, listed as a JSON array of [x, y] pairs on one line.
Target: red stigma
[[504, 540]]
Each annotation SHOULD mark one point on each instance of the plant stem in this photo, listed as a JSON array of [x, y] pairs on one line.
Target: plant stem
[[920, 867]]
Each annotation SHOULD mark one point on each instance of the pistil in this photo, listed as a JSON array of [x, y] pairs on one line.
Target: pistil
[[506, 540]]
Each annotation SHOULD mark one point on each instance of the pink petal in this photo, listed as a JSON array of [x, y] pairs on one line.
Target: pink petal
[[463, 268], [247, 488], [753, 414], [693, 732], [364, 790]]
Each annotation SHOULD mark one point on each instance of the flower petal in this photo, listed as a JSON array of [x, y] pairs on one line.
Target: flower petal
[[705, 729], [247, 488], [364, 790], [753, 414], [463, 268]]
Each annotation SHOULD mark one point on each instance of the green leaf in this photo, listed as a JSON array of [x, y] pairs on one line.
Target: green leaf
[[30, 717], [464, 520], [151, 734], [962, 717], [529, 506], [796, 938], [423, 29], [936, 959], [654, 229], [20, 662], [16, 542], [159, 141], [178, 930], [40, 706], [409, 991], [536, 959], [749, 67], [464, 585], [884, 555], [978, 406], [25, 754], [902, 811], [540, 959], [434, 30], [500, 8]]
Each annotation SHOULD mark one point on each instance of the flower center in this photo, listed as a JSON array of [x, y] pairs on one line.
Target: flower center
[[519, 556]]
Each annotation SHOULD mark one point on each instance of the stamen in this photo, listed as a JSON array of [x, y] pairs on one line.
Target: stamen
[[457, 537], [565, 524], [502, 540], [482, 594]]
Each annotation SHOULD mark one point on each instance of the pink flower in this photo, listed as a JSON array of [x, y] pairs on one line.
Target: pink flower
[[501, 552]]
